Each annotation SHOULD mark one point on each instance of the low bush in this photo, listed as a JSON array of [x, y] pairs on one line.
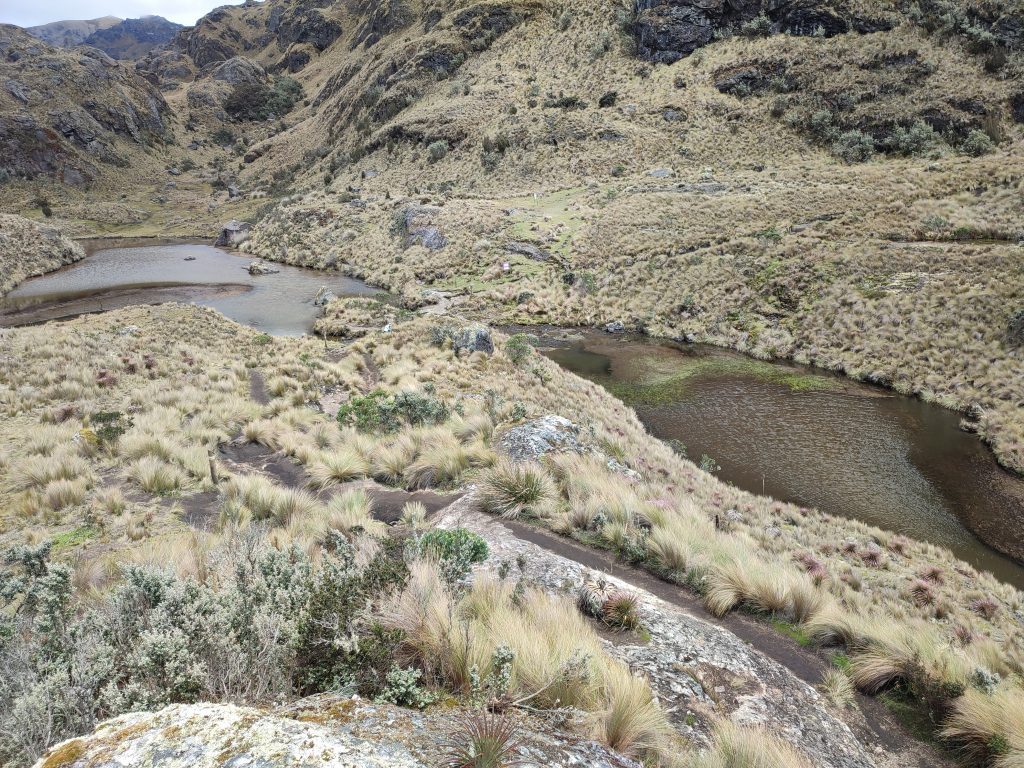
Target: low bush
[[268, 625], [381, 411], [455, 551], [258, 101]]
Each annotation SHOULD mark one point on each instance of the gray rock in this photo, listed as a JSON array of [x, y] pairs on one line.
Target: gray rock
[[187, 735], [615, 326], [323, 297], [536, 438], [529, 250], [476, 338], [234, 233], [661, 173], [259, 267], [238, 71]]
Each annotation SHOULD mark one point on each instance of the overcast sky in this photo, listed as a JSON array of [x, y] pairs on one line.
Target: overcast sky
[[27, 13]]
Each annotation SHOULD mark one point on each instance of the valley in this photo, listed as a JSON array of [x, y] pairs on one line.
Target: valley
[[572, 383]]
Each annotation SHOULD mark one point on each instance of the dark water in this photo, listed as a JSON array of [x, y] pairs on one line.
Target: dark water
[[817, 440], [146, 273]]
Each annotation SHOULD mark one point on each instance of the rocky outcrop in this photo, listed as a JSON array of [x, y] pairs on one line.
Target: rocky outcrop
[[534, 439], [328, 731], [300, 24], [208, 735], [64, 112], [416, 222], [234, 233], [133, 38], [28, 249], [699, 671], [668, 30], [239, 70]]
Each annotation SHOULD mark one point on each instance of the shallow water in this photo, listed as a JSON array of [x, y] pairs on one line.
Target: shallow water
[[116, 275], [817, 440]]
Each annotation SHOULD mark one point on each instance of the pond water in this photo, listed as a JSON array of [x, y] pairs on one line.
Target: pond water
[[118, 273], [817, 440]]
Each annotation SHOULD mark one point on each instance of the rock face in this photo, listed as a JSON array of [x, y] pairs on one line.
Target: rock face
[[698, 670], [28, 248], [64, 112], [133, 38], [536, 438], [668, 30], [238, 70], [234, 233]]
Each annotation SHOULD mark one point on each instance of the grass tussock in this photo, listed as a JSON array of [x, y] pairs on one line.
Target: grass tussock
[[512, 489]]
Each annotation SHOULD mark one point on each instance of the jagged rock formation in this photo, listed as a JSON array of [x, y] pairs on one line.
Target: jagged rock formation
[[133, 38], [28, 249], [668, 30], [65, 112]]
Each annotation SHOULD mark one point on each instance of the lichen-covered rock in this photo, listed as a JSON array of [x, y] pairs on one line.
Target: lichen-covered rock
[[536, 438], [28, 248], [216, 735], [327, 731]]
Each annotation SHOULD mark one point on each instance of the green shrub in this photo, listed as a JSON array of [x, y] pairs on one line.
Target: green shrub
[[110, 425], [854, 146], [381, 411], [402, 687], [454, 550], [258, 101], [437, 150], [977, 143], [919, 138], [518, 348]]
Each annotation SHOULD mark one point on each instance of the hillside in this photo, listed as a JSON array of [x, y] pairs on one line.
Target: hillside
[[133, 38], [409, 515], [66, 34], [72, 115]]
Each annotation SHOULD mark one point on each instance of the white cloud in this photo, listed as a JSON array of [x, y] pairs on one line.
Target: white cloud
[[26, 13]]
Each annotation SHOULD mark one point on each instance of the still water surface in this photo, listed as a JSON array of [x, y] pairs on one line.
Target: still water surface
[[116, 275], [816, 440]]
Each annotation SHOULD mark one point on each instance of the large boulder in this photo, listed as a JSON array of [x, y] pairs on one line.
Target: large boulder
[[548, 434], [239, 70], [234, 233], [209, 735]]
